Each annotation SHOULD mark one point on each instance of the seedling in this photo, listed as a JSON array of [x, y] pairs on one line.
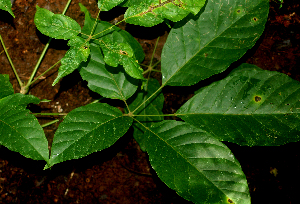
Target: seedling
[[248, 107]]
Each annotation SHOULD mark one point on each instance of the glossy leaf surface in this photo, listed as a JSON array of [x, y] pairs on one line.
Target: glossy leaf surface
[[152, 12], [118, 46], [208, 44], [121, 53], [6, 87], [153, 106], [196, 165], [79, 52], [110, 82], [103, 28], [249, 107], [19, 130], [88, 129], [129, 3], [6, 6], [55, 25], [106, 5]]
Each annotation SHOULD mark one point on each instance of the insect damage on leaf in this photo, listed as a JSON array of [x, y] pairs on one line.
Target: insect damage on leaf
[[150, 13], [257, 98], [161, 4], [122, 52], [229, 200]]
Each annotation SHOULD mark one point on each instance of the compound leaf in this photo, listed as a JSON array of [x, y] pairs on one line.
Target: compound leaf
[[106, 5], [114, 33], [149, 108], [6, 87], [79, 52], [208, 44], [6, 6], [121, 53], [109, 82], [197, 166], [249, 107], [152, 12], [19, 130], [88, 129], [55, 25]]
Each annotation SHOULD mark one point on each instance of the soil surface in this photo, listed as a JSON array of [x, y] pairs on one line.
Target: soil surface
[[122, 173]]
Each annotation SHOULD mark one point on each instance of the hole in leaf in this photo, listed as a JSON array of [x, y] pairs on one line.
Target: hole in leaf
[[123, 52], [229, 200], [257, 98], [255, 19]]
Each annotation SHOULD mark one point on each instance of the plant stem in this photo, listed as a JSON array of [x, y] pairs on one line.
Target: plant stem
[[11, 64], [173, 114], [66, 7], [154, 52], [149, 70], [153, 70], [26, 88], [94, 26], [149, 97], [50, 123], [50, 114]]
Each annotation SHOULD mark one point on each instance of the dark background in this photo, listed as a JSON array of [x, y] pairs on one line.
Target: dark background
[[122, 174]]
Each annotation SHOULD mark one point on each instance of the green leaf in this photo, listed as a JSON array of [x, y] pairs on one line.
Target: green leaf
[[6, 6], [79, 52], [129, 3], [249, 107], [125, 37], [88, 129], [103, 28], [19, 130], [108, 81], [197, 166], [88, 20], [55, 25], [6, 87], [153, 106], [106, 5], [208, 44], [121, 53], [152, 12]]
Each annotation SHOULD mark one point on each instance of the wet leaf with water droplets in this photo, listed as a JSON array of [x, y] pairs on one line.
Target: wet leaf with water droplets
[[79, 52], [19, 130], [264, 110], [208, 44], [152, 12], [55, 25], [88, 129], [199, 167]]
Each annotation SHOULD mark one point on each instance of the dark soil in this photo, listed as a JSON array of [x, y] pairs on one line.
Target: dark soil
[[122, 174]]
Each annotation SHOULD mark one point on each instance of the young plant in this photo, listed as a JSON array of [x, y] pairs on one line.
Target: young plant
[[249, 106]]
